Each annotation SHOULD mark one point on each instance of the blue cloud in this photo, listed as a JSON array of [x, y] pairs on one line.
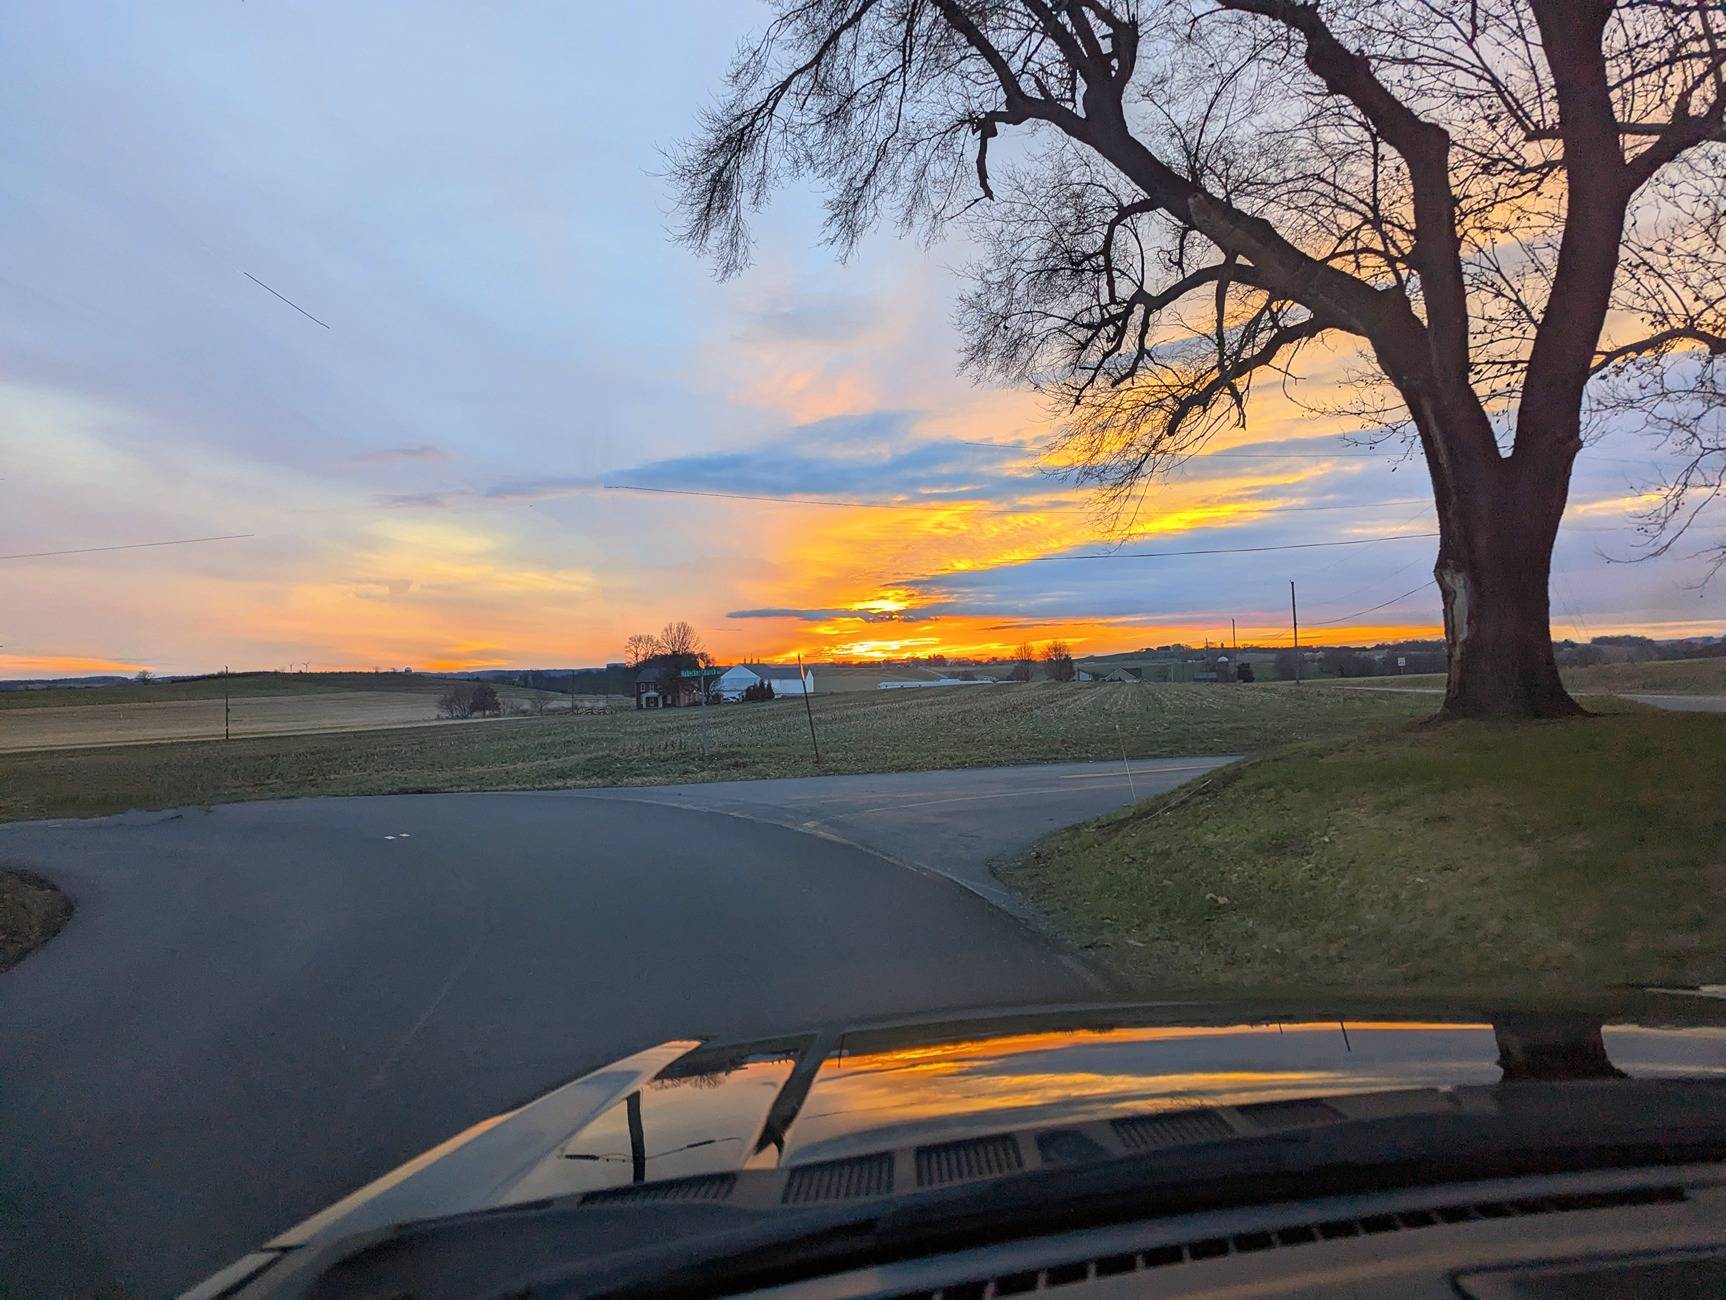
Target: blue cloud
[[874, 456]]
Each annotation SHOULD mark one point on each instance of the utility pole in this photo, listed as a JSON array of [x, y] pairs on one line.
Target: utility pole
[[1235, 640], [1294, 613], [809, 709], [226, 734]]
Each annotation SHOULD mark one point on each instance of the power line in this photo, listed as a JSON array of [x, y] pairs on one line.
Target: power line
[[1263, 506], [1229, 550], [296, 306], [1327, 622], [129, 546], [1378, 581]]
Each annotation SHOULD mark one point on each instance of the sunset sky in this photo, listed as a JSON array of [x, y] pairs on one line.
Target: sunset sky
[[469, 201]]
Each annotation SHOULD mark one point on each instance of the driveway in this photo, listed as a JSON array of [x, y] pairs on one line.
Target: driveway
[[259, 1007], [954, 823]]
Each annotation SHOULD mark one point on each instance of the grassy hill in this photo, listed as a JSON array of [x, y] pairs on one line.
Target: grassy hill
[[837, 679], [1552, 856]]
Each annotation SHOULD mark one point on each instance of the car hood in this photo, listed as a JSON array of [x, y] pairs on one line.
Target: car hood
[[690, 1111]]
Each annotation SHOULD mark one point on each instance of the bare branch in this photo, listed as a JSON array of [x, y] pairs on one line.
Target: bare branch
[[1715, 343]]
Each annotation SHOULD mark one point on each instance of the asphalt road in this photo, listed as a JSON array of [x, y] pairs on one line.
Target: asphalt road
[[257, 1008]]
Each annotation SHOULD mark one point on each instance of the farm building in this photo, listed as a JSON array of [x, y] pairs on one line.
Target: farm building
[[1136, 670], [786, 681], [652, 691]]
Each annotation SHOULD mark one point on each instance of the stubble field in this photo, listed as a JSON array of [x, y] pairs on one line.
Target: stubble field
[[864, 731]]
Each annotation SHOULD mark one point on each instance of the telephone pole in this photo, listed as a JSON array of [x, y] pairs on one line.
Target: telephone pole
[[1294, 613], [226, 733]]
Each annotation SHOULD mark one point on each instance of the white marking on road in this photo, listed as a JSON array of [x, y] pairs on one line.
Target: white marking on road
[[1139, 771]]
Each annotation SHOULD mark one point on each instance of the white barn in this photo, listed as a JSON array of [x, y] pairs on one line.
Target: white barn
[[734, 681]]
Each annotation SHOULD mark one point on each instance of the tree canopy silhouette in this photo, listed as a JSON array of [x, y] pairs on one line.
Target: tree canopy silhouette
[[1505, 217]]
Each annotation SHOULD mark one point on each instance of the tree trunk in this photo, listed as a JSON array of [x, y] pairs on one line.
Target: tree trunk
[[1494, 569]]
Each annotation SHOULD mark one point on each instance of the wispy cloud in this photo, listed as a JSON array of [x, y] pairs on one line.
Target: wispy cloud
[[396, 455], [832, 615], [815, 318], [542, 489]]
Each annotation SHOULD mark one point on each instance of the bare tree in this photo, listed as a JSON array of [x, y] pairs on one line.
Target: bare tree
[[1507, 213], [678, 638], [1058, 661], [639, 647], [1023, 657]]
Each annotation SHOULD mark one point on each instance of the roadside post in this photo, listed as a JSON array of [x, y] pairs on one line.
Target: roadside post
[[808, 709]]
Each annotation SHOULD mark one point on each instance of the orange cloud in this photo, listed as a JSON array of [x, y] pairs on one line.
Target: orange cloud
[[63, 666]]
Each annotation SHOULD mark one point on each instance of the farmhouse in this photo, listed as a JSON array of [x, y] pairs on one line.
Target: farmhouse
[[734, 681]]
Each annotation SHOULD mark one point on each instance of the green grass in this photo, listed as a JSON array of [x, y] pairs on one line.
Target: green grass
[[865, 731], [1544, 857]]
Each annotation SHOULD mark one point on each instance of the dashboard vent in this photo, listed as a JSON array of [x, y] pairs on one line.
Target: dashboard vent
[[957, 1162], [1148, 1132], [708, 1187], [1290, 1114], [1084, 1270], [840, 1180]]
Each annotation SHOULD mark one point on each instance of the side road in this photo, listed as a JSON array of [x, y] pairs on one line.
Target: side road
[[255, 1009]]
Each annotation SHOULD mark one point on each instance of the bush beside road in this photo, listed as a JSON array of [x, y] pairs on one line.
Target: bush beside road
[[32, 910], [1551, 856]]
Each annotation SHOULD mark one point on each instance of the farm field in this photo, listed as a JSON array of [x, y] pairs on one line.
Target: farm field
[[862, 731], [260, 704], [831, 679], [210, 688], [265, 715]]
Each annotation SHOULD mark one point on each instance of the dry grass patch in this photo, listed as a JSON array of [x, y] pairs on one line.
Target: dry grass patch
[[32, 911]]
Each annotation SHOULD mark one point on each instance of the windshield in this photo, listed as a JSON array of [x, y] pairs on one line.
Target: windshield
[[532, 534]]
